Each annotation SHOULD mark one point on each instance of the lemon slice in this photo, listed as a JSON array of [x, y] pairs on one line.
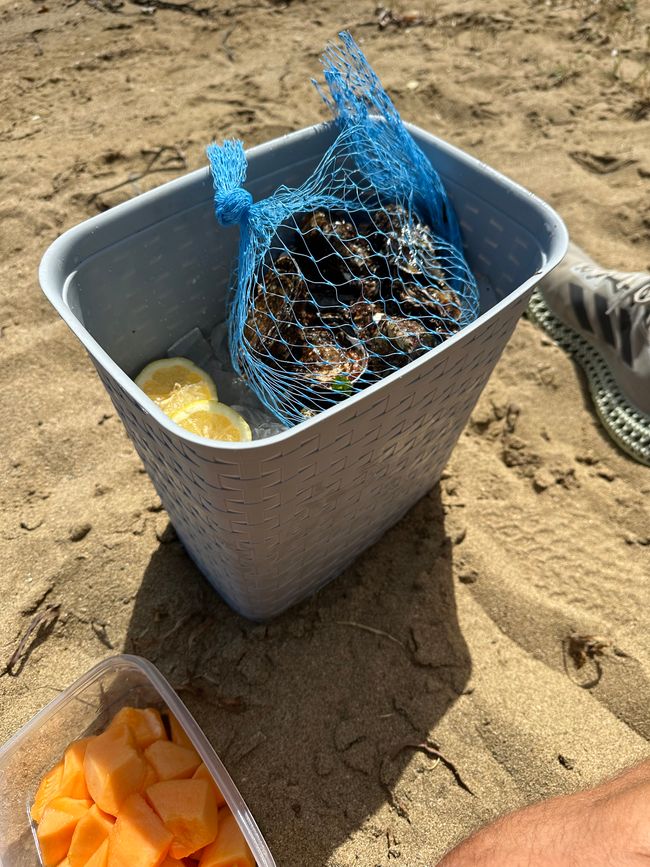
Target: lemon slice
[[174, 383], [213, 420]]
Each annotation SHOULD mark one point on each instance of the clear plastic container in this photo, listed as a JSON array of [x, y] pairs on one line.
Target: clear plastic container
[[86, 708]]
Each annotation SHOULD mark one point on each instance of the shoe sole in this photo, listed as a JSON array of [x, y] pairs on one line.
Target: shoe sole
[[626, 425]]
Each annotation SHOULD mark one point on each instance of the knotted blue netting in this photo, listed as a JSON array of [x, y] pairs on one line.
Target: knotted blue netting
[[352, 275]]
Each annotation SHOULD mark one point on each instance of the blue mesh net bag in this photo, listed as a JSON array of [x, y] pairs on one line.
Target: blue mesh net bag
[[355, 273]]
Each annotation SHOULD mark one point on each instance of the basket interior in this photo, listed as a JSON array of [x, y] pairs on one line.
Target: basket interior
[[148, 271]]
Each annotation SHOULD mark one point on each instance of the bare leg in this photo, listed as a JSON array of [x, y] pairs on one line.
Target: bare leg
[[608, 826]]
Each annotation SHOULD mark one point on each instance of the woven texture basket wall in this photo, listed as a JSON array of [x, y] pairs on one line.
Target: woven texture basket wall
[[269, 522]]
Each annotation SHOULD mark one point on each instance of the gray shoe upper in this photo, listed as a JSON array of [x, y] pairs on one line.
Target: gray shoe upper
[[609, 309]]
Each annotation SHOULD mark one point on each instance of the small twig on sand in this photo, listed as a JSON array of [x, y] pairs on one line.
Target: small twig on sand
[[100, 631], [401, 20], [581, 649], [186, 8], [174, 162], [224, 43], [370, 629], [434, 753], [176, 627], [40, 627], [385, 775], [106, 5]]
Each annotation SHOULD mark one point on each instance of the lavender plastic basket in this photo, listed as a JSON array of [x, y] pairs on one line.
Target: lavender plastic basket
[[269, 522]]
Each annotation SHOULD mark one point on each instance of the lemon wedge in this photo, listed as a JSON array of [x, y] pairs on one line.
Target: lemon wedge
[[175, 383], [213, 420]]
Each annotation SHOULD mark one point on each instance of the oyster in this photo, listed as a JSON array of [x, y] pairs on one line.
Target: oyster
[[394, 341], [271, 327], [426, 301], [338, 247], [369, 288], [329, 365], [408, 336], [390, 220], [363, 313], [413, 252]]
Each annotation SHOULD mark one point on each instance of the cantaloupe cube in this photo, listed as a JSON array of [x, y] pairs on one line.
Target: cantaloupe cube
[[113, 768], [179, 735], [73, 780], [150, 777], [189, 810], [202, 773], [138, 836], [145, 724], [64, 863], [57, 826], [171, 761], [171, 862], [48, 789], [230, 849], [91, 831], [100, 857]]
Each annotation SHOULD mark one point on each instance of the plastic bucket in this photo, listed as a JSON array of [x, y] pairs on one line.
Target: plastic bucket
[[271, 521]]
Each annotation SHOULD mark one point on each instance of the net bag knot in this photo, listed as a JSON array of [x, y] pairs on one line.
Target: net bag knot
[[232, 203], [232, 207]]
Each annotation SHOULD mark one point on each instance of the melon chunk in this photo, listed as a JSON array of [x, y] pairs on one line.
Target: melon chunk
[[100, 857], [73, 780], [138, 836], [113, 768], [48, 789], [171, 761], [202, 773], [178, 733], [150, 777], [230, 848], [57, 826], [189, 810], [91, 831], [145, 724]]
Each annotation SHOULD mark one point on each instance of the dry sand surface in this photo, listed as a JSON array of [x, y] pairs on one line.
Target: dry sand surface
[[539, 529]]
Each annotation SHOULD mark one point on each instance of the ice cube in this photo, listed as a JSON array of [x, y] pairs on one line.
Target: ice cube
[[194, 346], [262, 423], [233, 390], [268, 429], [219, 344]]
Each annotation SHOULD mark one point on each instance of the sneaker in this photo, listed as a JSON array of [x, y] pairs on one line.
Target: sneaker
[[603, 319]]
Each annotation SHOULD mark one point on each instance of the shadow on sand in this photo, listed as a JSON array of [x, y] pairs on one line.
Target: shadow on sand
[[309, 712]]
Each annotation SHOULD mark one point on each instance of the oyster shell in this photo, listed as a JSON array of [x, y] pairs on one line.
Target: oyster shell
[[329, 365], [436, 300], [339, 248], [390, 220], [413, 252], [279, 299], [392, 342]]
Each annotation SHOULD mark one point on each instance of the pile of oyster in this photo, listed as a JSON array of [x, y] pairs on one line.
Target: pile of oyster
[[347, 297]]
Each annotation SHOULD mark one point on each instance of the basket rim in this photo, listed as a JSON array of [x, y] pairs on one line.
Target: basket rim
[[53, 290]]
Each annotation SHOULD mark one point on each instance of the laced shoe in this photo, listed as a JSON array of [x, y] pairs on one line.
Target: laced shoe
[[602, 318]]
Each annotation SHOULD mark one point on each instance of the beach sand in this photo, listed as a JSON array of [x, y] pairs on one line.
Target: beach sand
[[538, 531]]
